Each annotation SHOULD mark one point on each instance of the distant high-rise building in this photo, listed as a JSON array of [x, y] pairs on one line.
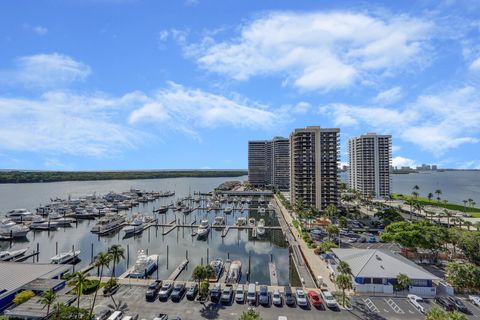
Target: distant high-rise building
[[434, 167], [314, 174], [370, 157], [268, 163]]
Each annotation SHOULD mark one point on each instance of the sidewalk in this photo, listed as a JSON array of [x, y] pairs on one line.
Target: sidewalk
[[315, 264]]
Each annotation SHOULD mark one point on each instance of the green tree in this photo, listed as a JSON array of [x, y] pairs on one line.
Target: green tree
[[102, 260], [117, 254], [203, 290], [64, 312], [201, 273], [388, 216], [403, 281], [326, 246], [331, 211], [344, 282], [344, 267], [48, 297], [463, 276], [332, 230], [469, 243], [342, 222], [430, 196], [436, 314], [80, 281], [250, 315], [23, 296]]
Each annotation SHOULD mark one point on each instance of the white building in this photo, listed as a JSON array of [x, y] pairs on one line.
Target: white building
[[370, 158]]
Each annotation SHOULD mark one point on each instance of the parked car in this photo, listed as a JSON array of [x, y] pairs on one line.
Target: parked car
[[361, 240], [372, 239], [134, 317], [226, 297], [475, 300], [263, 296], [240, 294], [192, 291], [314, 299], [252, 294], [415, 301], [152, 290], [103, 313], [216, 292], [165, 291], [161, 316], [276, 297], [329, 299], [445, 304], [289, 297], [352, 240], [301, 298], [178, 292], [458, 304]]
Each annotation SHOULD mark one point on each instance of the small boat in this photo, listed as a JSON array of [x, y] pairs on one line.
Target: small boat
[[162, 209], [261, 227], [228, 210], [241, 221], [261, 210], [144, 265], [40, 223], [203, 229], [65, 257], [219, 221], [136, 226], [217, 266], [19, 215], [10, 230], [234, 273], [251, 221], [9, 255], [108, 223]]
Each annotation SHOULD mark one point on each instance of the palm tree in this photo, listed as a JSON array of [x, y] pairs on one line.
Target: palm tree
[[79, 281], [418, 206], [403, 281], [468, 224], [411, 203], [344, 282], [415, 194], [251, 314], [102, 259], [344, 268], [449, 215], [465, 205], [331, 211], [48, 297], [430, 196], [438, 192], [436, 314], [477, 225], [117, 253]]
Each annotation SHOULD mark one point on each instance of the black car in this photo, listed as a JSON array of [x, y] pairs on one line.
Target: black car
[[445, 304], [192, 291], [216, 292], [178, 292], [153, 290], [263, 296], [458, 304], [289, 298]]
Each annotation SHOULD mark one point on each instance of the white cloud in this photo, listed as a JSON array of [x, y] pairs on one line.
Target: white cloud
[[435, 122], [316, 51], [403, 162], [40, 30], [163, 35], [302, 107], [389, 96], [475, 66], [190, 109], [45, 71], [191, 3]]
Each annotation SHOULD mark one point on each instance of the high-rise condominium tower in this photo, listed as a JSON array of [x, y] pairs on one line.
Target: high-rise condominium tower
[[314, 157], [370, 157]]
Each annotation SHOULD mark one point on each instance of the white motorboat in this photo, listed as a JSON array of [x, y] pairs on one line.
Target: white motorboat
[[203, 229], [19, 215], [144, 265], [137, 225], [217, 266], [228, 210], [65, 257], [9, 255], [109, 223], [241, 221], [234, 272], [219, 221], [261, 227], [261, 210], [10, 230], [252, 221], [40, 223], [162, 209]]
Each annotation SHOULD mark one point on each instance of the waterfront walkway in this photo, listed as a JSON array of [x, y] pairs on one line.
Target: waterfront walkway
[[313, 265]]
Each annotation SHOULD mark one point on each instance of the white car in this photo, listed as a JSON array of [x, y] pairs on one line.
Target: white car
[[329, 299], [240, 294], [282, 318], [475, 300], [276, 298], [301, 298], [415, 301]]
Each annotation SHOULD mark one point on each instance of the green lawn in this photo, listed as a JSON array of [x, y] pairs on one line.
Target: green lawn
[[475, 212]]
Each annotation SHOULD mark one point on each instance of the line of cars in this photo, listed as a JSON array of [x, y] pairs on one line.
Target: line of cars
[[449, 303]]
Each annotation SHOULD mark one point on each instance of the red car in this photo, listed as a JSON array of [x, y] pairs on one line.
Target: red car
[[314, 299]]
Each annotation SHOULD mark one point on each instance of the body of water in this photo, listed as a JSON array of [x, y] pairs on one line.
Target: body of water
[[180, 242], [456, 186]]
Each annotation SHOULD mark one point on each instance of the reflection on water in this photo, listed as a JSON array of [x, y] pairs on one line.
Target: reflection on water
[[237, 244]]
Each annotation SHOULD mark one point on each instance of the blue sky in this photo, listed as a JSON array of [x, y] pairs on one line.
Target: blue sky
[[132, 84]]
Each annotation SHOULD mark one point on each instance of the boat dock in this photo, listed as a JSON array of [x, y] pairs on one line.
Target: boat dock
[[273, 274], [25, 257], [226, 268], [247, 227], [126, 273], [174, 275], [172, 227]]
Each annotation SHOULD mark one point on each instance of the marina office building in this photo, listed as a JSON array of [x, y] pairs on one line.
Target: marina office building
[[269, 163], [370, 158], [314, 173]]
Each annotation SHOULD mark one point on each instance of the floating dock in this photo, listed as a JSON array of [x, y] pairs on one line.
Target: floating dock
[[273, 274], [174, 275], [226, 268]]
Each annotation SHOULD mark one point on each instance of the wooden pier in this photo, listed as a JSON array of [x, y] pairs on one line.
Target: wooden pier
[[273, 274], [25, 257], [174, 275]]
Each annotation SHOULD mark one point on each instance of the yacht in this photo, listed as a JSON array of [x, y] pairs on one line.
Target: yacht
[[203, 229], [19, 215], [9, 255], [196, 199], [137, 225], [10, 230], [261, 227], [241, 221], [217, 266], [40, 223], [261, 210], [234, 272], [65, 257], [251, 221], [144, 265], [219, 221], [162, 209], [228, 210], [108, 223]]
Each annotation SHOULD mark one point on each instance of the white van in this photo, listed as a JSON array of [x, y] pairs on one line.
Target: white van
[[252, 294], [117, 315]]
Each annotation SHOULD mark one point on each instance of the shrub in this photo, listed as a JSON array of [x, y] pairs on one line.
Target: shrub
[[23, 296]]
